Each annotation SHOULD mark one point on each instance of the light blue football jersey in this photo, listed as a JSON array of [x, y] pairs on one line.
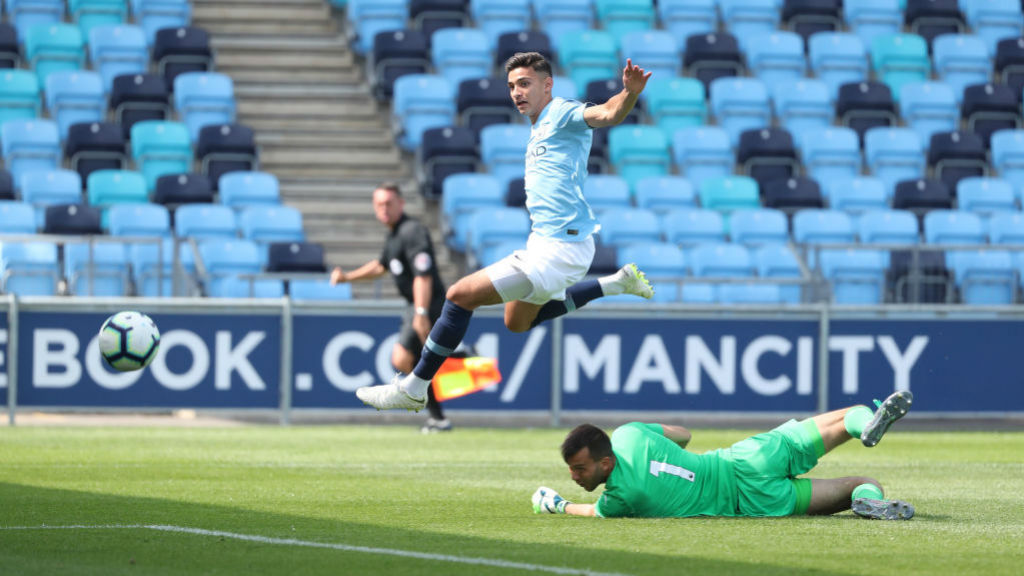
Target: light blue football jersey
[[556, 166]]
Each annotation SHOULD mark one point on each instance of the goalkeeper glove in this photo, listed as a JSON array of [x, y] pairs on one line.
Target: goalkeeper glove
[[547, 500]]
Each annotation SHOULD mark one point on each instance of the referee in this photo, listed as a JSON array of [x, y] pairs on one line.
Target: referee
[[409, 256]]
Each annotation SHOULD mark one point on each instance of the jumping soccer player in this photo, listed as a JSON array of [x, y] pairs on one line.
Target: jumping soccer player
[[544, 280], [647, 472]]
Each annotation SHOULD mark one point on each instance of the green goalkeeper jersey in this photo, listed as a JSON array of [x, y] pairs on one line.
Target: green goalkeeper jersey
[[655, 477]]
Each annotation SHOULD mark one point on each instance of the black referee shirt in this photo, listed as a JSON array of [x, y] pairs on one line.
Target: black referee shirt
[[408, 252]]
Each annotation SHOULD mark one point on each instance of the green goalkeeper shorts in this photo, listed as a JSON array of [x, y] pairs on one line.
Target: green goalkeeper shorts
[[766, 467]]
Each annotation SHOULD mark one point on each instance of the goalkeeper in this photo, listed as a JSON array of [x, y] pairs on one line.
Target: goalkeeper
[[648, 473]]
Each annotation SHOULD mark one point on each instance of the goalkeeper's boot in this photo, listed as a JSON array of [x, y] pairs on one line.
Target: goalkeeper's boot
[[894, 408], [883, 509], [633, 281], [390, 397]]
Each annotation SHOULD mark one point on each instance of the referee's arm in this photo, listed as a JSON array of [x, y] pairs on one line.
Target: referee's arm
[[369, 271]]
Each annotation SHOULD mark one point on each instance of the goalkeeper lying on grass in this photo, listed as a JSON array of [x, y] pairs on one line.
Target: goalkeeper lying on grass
[[647, 472]]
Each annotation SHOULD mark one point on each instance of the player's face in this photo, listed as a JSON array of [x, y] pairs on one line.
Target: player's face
[[530, 91], [387, 206], [586, 471]]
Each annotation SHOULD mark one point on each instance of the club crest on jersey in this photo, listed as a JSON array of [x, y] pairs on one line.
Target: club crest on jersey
[[422, 262], [396, 266]]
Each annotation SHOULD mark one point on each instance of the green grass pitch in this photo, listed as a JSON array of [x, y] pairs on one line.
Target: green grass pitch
[[303, 500]]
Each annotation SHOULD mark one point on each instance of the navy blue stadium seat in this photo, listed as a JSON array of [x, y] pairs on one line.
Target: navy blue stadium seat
[[223, 148], [183, 189], [396, 53], [443, 152], [767, 154], [510, 43], [295, 257], [954, 156], [78, 219], [807, 17], [430, 15], [9, 48], [6, 185], [792, 194], [711, 56], [138, 97], [921, 279], [600, 91], [988, 108], [1009, 64], [598, 161], [182, 49], [932, 18], [515, 193], [865, 105], [481, 102], [921, 196], [92, 146]]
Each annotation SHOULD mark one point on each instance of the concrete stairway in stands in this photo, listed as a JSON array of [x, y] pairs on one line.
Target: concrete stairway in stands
[[319, 129]]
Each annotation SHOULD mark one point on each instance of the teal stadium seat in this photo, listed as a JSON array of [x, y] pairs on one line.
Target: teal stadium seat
[[108, 187], [557, 17], [54, 47], [622, 17], [729, 193], [19, 95], [638, 151], [675, 103], [160, 147], [90, 14], [872, 18], [24, 14], [589, 55], [899, 59]]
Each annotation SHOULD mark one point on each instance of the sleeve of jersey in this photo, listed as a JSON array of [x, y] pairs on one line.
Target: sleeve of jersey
[[612, 506], [418, 252], [570, 116]]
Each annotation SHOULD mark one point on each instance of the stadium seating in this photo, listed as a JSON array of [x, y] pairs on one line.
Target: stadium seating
[[489, 229], [899, 59], [630, 226], [685, 18], [703, 152], [116, 50], [139, 220], [29, 146], [29, 269], [607, 192], [707, 57], [54, 47], [421, 101], [484, 101], [810, 17], [746, 19], [510, 43], [49, 187], [894, 154], [443, 152], [160, 148], [19, 95], [961, 60], [993, 20], [929, 107], [223, 148], [954, 156], [988, 108], [106, 187], [803, 105], [792, 194], [1006, 228], [174, 189], [1008, 157], [661, 262], [95, 146], [181, 49], [462, 195], [137, 98], [756, 227], [688, 227], [657, 50], [73, 219], [870, 19], [17, 217], [1009, 63], [99, 270], [502, 149], [320, 290], [838, 58], [557, 17], [953, 227], [866, 105], [295, 257], [202, 98], [776, 58], [264, 224], [25, 14], [496, 17], [428, 16], [588, 55], [729, 193], [856, 276], [460, 54], [152, 267], [396, 53], [10, 51], [985, 196], [225, 260], [675, 103], [767, 154], [984, 277], [830, 154], [73, 97], [922, 195], [663, 193], [90, 14], [205, 221], [933, 18], [777, 261], [857, 195], [638, 152], [740, 104], [888, 227], [154, 15], [246, 188]]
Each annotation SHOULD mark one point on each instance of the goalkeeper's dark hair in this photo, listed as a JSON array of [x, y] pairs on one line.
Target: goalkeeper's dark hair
[[590, 437]]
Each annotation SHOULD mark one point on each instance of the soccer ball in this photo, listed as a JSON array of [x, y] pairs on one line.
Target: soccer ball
[[129, 341]]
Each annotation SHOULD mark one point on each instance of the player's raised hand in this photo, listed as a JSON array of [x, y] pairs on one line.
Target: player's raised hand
[[338, 276], [633, 78], [547, 500]]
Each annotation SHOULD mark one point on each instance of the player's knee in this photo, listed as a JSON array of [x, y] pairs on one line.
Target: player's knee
[[460, 295], [857, 481], [518, 324]]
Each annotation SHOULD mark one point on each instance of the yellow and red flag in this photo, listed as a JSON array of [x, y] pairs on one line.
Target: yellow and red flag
[[461, 376]]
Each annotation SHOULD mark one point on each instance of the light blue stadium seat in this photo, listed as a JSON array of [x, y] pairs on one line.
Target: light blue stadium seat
[[106, 274], [24, 14], [30, 146], [655, 50], [664, 193], [857, 195], [622, 17], [729, 193], [589, 55], [629, 226], [143, 219], [638, 151], [751, 293], [109, 187], [899, 59], [746, 19], [675, 103], [856, 276], [838, 58], [264, 224], [29, 269], [368, 17], [75, 96], [961, 60], [953, 227], [53, 47], [1006, 228], [203, 98], [1008, 158], [19, 95], [661, 262], [91, 14], [461, 53], [205, 221], [147, 261], [225, 260], [462, 195], [117, 50], [985, 277], [993, 20], [502, 149], [703, 152], [17, 217], [929, 107], [557, 17], [888, 227], [688, 227], [803, 105], [160, 147], [684, 18], [816, 226], [607, 192], [319, 290], [776, 58], [740, 104], [894, 154], [985, 196], [489, 228], [872, 18], [754, 227], [153, 15], [47, 187], [564, 87], [495, 17], [720, 260], [421, 101], [245, 188], [779, 261]]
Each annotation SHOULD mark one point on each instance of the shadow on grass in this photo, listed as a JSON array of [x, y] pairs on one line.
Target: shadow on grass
[[143, 551]]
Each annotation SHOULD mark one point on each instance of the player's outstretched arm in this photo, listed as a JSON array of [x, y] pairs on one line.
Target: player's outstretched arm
[[547, 500], [615, 110]]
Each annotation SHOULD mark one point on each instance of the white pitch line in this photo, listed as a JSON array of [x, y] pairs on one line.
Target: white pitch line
[[343, 547]]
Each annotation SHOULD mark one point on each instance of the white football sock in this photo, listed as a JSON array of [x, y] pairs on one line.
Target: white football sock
[[414, 386], [611, 285]]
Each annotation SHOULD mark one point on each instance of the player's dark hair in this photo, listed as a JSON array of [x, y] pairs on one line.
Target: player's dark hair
[[590, 437], [390, 186], [532, 60]]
